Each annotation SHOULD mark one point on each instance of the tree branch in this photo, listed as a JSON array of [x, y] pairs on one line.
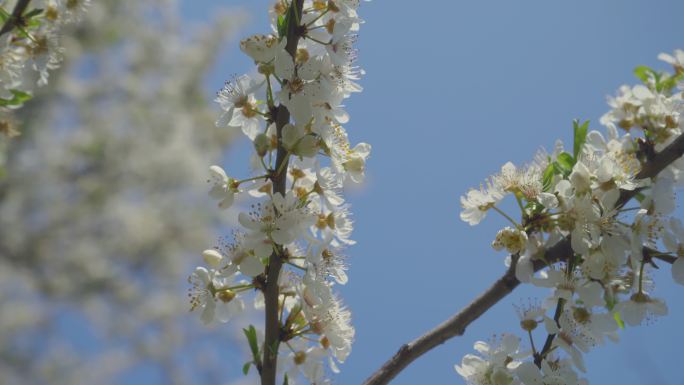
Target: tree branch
[[15, 17], [456, 325], [654, 166], [279, 179]]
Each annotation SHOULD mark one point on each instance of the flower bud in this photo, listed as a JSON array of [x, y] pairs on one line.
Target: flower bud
[[307, 146], [262, 143], [212, 257], [290, 136]]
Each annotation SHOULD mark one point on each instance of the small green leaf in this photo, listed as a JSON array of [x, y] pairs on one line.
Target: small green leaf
[[618, 319], [659, 84], [565, 162], [33, 23], [670, 82], [580, 136], [282, 26], [18, 98], [245, 368], [274, 347], [640, 197], [547, 177], [533, 207], [284, 21], [33, 12], [250, 333], [286, 381], [644, 73], [610, 302]]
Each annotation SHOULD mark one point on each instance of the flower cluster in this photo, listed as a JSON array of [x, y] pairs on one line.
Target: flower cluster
[[292, 112], [30, 48], [613, 216]]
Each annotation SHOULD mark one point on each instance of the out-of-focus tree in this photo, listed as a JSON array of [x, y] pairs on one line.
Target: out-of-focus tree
[[102, 205]]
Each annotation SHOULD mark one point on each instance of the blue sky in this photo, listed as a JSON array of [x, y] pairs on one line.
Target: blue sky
[[454, 90]]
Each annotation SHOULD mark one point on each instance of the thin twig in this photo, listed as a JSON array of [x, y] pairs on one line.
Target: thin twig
[[550, 337], [456, 325], [15, 17], [271, 289], [548, 344]]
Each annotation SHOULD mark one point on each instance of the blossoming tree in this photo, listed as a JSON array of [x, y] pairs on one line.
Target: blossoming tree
[[92, 276], [590, 224], [592, 218], [30, 48]]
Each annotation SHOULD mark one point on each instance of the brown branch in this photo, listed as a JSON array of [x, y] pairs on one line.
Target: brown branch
[[548, 344], [654, 166], [651, 254], [271, 289], [560, 304], [15, 18], [456, 325]]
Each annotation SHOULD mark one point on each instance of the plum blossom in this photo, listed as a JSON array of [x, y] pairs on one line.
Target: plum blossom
[[297, 216], [211, 294], [239, 106], [494, 365]]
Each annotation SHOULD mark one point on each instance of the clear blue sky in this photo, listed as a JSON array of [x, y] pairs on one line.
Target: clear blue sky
[[453, 90]]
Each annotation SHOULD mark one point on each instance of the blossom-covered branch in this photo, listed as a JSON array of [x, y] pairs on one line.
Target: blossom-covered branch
[[29, 49], [15, 18], [98, 248], [578, 200], [289, 250], [271, 290]]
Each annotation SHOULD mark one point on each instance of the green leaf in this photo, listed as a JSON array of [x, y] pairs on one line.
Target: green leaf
[[33, 12], [533, 207], [658, 81], [18, 98], [251, 335], [282, 26], [33, 23], [610, 302], [640, 197], [618, 319], [286, 381], [274, 347], [565, 162], [644, 73], [547, 177], [245, 368], [670, 82], [580, 136]]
